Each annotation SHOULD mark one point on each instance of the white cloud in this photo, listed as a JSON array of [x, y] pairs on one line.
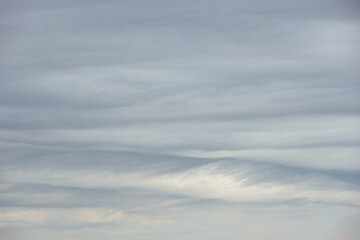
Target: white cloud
[[60, 216]]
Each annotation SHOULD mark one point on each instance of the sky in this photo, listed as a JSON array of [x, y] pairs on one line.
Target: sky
[[181, 120]]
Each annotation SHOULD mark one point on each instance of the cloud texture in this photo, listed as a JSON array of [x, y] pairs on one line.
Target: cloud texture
[[179, 119]]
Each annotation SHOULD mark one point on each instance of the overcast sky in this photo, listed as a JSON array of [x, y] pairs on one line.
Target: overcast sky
[[179, 119]]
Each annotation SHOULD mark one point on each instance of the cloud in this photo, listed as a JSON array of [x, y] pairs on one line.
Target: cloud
[[139, 120], [30, 215], [159, 179], [66, 217]]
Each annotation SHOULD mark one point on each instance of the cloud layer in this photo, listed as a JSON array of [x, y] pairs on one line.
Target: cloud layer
[[179, 119]]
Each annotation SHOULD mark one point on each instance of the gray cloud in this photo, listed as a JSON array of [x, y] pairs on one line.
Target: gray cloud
[[144, 118]]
